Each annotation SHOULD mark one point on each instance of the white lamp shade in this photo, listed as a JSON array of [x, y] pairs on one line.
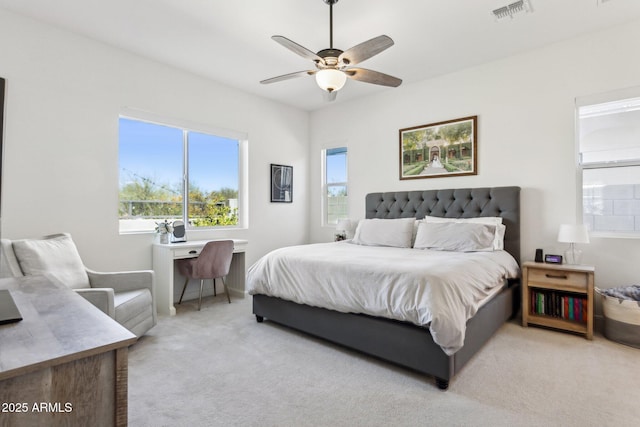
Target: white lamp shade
[[570, 233], [331, 80], [343, 225]]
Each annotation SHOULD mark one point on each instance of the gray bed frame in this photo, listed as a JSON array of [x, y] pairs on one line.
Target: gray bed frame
[[403, 343]]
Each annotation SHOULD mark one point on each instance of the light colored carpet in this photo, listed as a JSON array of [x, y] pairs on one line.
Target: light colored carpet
[[219, 367]]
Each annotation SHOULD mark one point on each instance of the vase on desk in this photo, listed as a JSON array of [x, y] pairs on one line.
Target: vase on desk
[[163, 229]]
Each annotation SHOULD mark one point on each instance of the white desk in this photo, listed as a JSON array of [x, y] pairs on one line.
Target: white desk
[[164, 256]]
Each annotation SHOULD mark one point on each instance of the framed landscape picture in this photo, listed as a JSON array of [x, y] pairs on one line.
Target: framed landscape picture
[[439, 149], [281, 183]]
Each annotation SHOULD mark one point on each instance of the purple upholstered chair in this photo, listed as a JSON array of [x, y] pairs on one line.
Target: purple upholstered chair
[[213, 262]]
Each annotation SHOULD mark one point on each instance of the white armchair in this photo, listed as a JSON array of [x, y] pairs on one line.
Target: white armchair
[[128, 296]]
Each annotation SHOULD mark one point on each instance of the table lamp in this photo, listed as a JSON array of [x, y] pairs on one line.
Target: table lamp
[[343, 226], [573, 234]]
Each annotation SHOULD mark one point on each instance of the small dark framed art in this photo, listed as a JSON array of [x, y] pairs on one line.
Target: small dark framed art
[[281, 183]]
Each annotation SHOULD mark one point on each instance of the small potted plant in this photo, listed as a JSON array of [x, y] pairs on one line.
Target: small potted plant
[[163, 229]]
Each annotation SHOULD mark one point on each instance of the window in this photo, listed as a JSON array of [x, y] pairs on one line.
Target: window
[[335, 183], [173, 173], [609, 161]]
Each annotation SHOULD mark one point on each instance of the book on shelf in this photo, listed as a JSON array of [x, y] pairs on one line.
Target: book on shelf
[[558, 304]]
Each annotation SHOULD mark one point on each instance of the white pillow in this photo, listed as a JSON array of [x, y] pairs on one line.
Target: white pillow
[[56, 255], [498, 242], [385, 232], [455, 236]]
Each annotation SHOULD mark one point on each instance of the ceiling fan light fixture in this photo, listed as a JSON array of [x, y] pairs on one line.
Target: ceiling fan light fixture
[[331, 80], [333, 65]]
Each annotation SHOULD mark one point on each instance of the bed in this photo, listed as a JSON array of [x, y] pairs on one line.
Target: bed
[[406, 342]]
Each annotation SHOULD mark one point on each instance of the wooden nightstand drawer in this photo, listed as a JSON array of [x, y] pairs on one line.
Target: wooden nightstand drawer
[[558, 278]]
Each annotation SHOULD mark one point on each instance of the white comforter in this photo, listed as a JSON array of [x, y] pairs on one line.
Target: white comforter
[[441, 290]]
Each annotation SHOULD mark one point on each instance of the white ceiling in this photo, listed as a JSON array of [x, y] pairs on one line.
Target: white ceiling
[[229, 40]]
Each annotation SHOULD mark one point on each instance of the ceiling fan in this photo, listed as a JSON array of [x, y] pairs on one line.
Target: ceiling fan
[[333, 66]]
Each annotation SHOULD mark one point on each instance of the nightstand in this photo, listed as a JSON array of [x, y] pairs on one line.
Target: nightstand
[[558, 296]]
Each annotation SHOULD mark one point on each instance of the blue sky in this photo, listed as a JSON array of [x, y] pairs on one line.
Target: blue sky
[[337, 167], [155, 151]]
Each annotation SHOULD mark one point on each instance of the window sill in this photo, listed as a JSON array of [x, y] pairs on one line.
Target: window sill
[[614, 235]]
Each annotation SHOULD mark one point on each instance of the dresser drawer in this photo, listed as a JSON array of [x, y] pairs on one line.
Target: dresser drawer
[[567, 279]]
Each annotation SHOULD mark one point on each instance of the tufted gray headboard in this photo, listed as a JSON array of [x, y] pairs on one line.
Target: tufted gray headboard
[[454, 203]]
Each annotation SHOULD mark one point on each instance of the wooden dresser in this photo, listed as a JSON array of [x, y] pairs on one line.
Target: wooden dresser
[[65, 363]]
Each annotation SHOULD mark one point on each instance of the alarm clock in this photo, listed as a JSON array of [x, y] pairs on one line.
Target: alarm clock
[[178, 233], [553, 259]]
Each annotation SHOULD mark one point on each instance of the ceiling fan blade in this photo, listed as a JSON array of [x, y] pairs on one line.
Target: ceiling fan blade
[[329, 96], [365, 50], [375, 77], [289, 76], [296, 48]]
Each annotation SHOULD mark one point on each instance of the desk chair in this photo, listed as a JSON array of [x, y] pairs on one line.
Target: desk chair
[[213, 262]]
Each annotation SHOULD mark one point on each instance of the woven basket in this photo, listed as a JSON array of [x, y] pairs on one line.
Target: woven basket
[[621, 319]]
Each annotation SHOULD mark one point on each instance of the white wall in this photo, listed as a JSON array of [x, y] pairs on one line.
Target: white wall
[[60, 171], [525, 109], [64, 93]]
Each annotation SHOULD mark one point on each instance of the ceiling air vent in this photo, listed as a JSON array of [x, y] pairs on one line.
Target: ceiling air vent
[[508, 11]]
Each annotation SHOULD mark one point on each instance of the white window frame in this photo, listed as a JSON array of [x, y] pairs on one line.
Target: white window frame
[[325, 186], [602, 98], [186, 126]]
